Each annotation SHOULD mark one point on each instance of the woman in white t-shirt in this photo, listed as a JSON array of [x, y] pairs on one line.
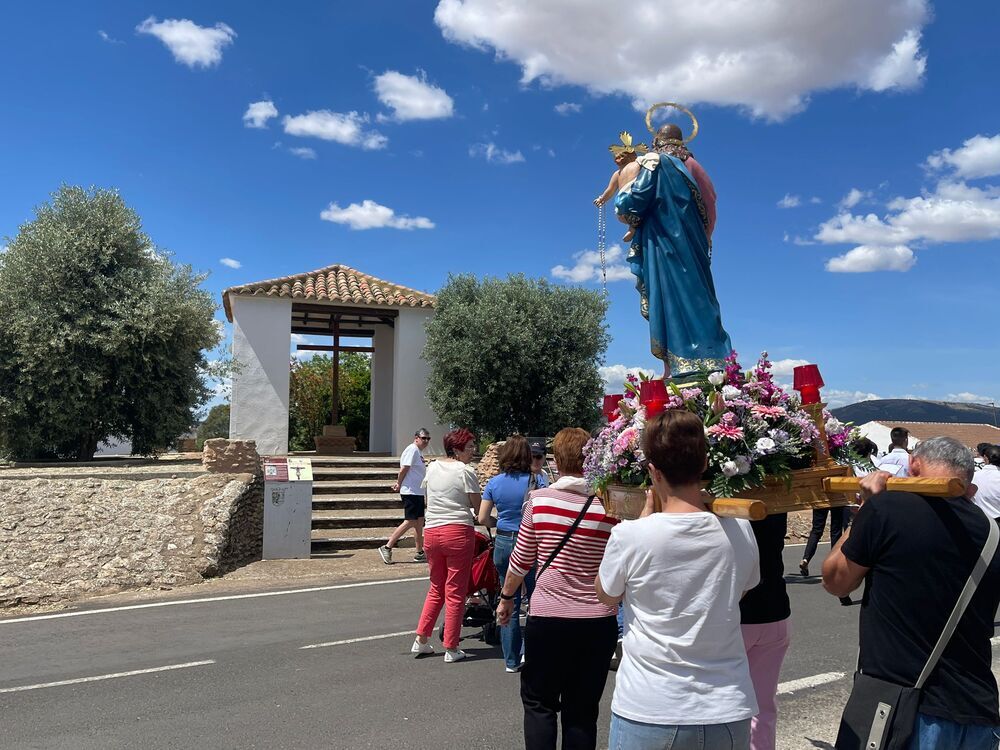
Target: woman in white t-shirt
[[683, 681], [452, 496]]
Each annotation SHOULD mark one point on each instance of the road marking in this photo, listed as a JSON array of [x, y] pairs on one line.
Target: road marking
[[207, 599], [358, 640], [809, 682], [115, 675]]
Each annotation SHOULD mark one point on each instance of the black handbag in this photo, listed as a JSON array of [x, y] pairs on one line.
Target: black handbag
[[881, 715]]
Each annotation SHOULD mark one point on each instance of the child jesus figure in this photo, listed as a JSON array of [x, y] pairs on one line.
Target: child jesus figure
[[625, 156]]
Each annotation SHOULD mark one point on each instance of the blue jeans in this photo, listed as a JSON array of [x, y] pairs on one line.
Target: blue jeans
[[934, 733], [635, 735], [510, 635]]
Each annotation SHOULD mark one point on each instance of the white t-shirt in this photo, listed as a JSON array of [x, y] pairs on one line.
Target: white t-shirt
[[414, 479], [987, 481], [683, 659], [897, 457], [448, 485]]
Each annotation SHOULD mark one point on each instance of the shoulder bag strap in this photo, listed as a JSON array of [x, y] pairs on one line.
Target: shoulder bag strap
[[985, 558], [569, 533]]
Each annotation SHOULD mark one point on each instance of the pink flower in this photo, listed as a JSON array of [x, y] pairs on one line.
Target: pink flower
[[768, 411], [725, 431]]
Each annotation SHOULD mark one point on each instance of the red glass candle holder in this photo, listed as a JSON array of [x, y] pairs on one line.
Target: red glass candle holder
[[807, 381], [652, 390], [654, 407], [611, 402]]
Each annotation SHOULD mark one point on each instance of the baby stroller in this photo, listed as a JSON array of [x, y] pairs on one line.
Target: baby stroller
[[483, 593]]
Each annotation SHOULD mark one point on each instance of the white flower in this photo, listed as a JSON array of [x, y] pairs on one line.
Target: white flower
[[730, 469], [765, 445], [729, 392], [834, 425], [743, 464], [717, 378]]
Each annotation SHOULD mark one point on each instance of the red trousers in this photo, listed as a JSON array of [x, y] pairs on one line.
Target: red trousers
[[449, 551]]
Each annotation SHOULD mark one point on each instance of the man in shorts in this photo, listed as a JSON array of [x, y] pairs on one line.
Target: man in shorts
[[408, 484]]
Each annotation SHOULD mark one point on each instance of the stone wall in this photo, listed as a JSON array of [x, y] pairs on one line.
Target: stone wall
[[222, 456], [65, 538]]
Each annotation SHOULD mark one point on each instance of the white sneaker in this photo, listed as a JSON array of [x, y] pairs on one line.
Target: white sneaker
[[513, 670], [453, 655], [419, 649], [386, 554]]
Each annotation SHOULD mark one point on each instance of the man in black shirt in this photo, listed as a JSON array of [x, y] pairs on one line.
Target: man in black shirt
[[915, 554]]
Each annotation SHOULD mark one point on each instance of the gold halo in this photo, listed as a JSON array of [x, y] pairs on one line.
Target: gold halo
[[682, 108]]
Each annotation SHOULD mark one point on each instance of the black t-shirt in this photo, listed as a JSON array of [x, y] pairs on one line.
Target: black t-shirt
[[768, 600], [921, 551]]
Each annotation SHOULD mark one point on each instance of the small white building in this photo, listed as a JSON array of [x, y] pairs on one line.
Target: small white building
[[966, 433], [334, 301]]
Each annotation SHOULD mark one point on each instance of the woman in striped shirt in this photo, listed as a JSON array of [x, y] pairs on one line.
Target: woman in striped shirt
[[570, 636]]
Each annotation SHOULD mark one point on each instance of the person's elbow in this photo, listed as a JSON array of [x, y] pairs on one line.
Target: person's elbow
[[605, 598], [840, 576]]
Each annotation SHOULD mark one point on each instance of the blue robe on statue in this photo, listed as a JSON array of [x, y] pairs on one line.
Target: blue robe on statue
[[671, 259]]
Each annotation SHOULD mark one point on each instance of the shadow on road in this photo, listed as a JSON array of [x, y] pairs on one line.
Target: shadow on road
[[799, 580], [820, 744]]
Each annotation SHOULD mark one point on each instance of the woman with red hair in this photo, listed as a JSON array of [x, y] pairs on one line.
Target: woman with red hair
[[452, 498]]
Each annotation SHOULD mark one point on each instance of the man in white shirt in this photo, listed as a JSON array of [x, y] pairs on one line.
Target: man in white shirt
[[897, 460], [987, 481], [412, 470]]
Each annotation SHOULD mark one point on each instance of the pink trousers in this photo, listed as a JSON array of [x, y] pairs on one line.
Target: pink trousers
[[449, 551], [766, 646]]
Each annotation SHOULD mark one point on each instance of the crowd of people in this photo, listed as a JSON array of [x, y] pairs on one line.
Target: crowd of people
[[702, 599]]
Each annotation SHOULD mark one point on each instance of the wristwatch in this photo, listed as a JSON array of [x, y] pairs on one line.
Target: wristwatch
[[507, 597]]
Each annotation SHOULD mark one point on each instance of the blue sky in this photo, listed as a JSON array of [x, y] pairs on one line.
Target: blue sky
[[854, 147]]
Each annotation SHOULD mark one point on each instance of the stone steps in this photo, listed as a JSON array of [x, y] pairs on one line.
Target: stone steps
[[351, 519], [367, 502], [351, 474], [325, 545], [353, 487]]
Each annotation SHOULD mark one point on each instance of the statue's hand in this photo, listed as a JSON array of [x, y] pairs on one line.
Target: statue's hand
[[599, 200]]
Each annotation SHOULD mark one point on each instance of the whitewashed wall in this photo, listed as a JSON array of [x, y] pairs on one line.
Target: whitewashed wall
[[261, 341], [411, 409]]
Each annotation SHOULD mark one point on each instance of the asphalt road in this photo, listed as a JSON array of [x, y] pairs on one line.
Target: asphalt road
[[233, 673]]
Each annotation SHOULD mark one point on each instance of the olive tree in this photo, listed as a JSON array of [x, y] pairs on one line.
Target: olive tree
[[101, 335], [516, 355]]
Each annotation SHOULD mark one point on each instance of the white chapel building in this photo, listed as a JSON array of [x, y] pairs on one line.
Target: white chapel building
[[335, 301]]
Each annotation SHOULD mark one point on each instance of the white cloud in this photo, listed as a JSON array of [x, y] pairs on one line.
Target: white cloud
[[797, 240], [108, 38], [230, 263], [767, 57], [954, 212], [568, 108], [868, 258], [258, 113], [493, 153], [370, 215], [978, 157], [783, 369], [303, 153], [815, 200], [588, 266], [347, 128], [903, 68], [412, 97], [614, 376], [835, 398], [789, 201], [853, 198], [969, 398], [191, 44]]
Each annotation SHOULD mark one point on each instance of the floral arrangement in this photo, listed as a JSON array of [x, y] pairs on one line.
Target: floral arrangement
[[754, 429]]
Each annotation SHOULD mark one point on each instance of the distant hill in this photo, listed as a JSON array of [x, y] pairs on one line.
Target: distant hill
[[914, 410]]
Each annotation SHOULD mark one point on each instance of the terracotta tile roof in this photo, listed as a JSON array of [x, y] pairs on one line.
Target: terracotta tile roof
[[966, 433], [334, 283]]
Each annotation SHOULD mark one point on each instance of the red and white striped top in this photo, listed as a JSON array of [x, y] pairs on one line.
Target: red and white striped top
[[566, 588]]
